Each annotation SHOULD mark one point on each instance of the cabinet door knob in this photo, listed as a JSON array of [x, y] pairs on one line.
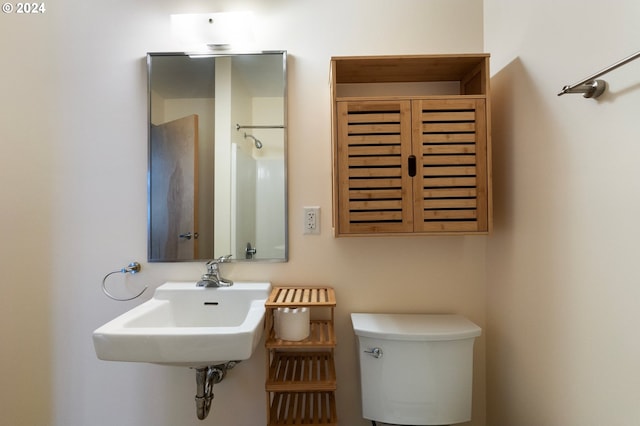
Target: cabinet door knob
[[412, 165]]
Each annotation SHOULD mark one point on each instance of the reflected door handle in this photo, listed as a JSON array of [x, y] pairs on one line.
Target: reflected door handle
[[188, 236]]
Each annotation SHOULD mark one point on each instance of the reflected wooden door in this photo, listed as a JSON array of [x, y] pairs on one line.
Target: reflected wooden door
[[174, 190]]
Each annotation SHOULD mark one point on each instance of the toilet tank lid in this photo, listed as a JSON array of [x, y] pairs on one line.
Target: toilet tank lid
[[414, 326]]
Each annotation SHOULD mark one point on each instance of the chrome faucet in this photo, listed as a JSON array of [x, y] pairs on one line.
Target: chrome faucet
[[212, 277]]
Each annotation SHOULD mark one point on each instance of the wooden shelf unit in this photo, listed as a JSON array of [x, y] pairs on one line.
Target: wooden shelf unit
[[301, 375]]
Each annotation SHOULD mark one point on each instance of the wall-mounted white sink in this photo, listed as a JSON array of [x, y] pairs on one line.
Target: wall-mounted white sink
[[187, 325]]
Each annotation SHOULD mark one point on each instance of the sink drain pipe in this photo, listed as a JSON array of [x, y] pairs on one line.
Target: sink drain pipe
[[206, 377]]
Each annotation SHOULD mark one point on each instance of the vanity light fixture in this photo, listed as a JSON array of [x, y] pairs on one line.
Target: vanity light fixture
[[213, 31]]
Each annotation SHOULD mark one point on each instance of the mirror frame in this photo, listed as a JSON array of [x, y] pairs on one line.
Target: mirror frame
[[215, 54]]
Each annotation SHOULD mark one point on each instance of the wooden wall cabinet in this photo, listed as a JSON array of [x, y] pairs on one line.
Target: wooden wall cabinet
[[411, 145], [301, 375]]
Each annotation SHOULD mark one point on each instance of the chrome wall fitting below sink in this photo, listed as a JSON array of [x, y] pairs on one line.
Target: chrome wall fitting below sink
[[206, 377]]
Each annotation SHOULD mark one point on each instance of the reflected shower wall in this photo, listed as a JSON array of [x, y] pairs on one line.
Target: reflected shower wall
[[243, 201], [257, 198], [269, 205]]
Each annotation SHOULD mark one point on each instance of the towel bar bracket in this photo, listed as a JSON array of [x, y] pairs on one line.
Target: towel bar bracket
[[592, 88]]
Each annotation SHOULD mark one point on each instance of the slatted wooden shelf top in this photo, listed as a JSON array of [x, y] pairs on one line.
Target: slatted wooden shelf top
[[283, 297], [301, 376]]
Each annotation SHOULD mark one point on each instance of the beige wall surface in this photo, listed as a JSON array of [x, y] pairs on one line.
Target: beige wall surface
[[563, 294], [73, 163]]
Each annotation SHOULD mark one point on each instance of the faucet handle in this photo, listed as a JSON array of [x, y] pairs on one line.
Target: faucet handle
[[212, 265], [221, 259]]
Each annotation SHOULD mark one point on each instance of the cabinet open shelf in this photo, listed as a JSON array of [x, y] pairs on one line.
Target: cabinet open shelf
[[303, 408], [302, 371], [321, 335]]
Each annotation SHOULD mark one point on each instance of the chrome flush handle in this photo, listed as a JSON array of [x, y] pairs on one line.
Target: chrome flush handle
[[375, 352]]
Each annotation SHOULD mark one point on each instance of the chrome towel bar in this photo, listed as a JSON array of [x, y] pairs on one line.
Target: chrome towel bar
[[590, 86]]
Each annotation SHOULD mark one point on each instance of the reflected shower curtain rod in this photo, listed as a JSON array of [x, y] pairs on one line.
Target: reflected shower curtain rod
[[592, 88], [238, 127]]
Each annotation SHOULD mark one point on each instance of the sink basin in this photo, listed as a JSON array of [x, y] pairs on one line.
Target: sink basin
[[187, 325]]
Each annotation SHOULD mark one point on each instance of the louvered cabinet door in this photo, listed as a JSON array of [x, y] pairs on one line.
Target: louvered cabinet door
[[451, 184], [373, 185]]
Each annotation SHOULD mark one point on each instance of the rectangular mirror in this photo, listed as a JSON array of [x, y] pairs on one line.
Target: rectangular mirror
[[217, 178]]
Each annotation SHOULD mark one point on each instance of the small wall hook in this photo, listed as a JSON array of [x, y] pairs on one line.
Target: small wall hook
[[132, 268]]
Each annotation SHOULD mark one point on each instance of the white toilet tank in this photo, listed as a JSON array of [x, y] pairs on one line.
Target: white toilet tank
[[415, 369]]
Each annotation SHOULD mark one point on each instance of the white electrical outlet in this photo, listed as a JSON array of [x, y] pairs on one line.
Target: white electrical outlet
[[312, 220]]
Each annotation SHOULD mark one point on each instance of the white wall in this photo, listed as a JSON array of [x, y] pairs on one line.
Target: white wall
[[563, 294], [73, 164]]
